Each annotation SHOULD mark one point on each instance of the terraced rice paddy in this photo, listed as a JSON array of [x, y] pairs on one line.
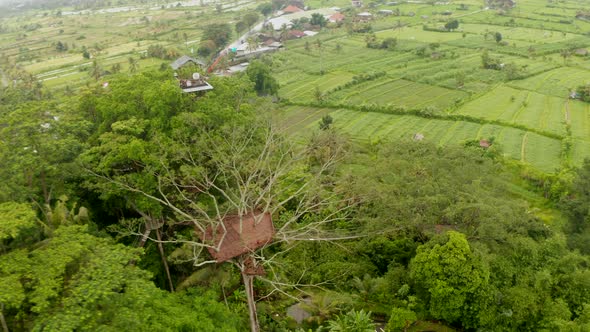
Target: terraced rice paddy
[[540, 151], [528, 112], [399, 92]]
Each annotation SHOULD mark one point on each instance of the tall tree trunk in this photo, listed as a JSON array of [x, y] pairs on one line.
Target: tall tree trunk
[[4, 326], [249, 284], [144, 237], [161, 248]]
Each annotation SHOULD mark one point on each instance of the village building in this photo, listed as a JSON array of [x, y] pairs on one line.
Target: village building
[[271, 43], [295, 34], [336, 18], [356, 3], [364, 16], [186, 60], [291, 9], [195, 84], [385, 12], [581, 52], [279, 22]]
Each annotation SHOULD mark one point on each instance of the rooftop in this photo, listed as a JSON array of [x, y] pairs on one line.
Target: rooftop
[[194, 85], [242, 234], [183, 60], [292, 9]]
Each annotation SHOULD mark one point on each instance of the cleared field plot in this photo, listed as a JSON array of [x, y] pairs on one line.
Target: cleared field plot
[[525, 18], [579, 117], [399, 92], [511, 140], [492, 105], [417, 33], [534, 110], [354, 58], [542, 152], [460, 132], [539, 151], [303, 87], [537, 36], [558, 82], [580, 151], [293, 118]]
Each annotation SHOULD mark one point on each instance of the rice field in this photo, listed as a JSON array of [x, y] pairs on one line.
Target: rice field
[[539, 151], [301, 86], [398, 92], [579, 118], [523, 107], [558, 82]]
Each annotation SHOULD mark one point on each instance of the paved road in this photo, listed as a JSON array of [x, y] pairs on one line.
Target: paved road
[[243, 37]]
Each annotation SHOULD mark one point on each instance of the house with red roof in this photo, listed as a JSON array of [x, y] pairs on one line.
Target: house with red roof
[[336, 17], [296, 34], [290, 9]]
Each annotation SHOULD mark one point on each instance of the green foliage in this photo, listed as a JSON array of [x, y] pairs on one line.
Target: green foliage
[[576, 206], [77, 281], [353, 321], [583, 92], [264, 83], [15, 218], [41, 142], [498, 37], [452, 276], [265, 9], [219, 33], [452, 25], [400, 319], [318, 19], [160, 52], [326, 122], [250, 19]]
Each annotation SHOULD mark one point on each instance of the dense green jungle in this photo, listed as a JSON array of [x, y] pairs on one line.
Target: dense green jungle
[[134, 206]]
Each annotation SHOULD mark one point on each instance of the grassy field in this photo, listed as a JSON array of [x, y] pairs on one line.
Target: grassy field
[[524, 104], [537, 150]]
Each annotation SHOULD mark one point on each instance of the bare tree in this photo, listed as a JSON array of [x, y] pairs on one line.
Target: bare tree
[[245, 187]]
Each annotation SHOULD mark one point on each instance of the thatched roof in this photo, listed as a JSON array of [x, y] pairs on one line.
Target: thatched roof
[[242, 234]]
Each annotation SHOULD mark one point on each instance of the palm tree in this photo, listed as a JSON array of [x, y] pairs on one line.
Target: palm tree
[[323, 305], [133, 65], [354, 321], [284, 32], [252, 44]]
